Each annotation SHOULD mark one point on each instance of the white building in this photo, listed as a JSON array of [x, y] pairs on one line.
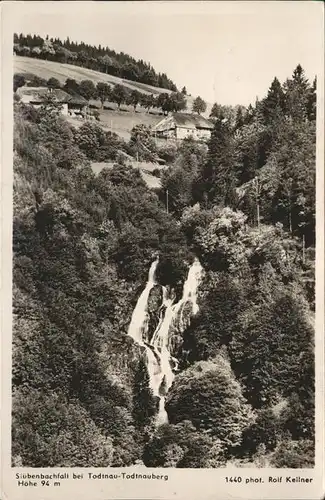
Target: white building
[[181, 125]]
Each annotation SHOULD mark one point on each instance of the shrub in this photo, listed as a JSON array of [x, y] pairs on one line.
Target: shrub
[[19, 81], [294, 455], [35, 81], [182, 446], [168, 152], [53, 83], [49, 431]]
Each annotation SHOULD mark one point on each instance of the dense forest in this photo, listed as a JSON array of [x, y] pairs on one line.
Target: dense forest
[[244, 205], [88, 56]]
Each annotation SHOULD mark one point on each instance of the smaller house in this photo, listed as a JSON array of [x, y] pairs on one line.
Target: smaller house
[[77, 105], [70, 105], [38, 95], [181, 125]]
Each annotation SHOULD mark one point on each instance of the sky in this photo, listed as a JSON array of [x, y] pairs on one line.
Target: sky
[[226, 52]]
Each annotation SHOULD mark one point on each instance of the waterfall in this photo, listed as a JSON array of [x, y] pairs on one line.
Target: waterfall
[[138, 329], [161, 364], [139, 320], [190, 293], [154, 370]]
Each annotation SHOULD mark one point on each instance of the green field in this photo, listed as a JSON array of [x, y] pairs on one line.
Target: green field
[[119, 121], [122, 122], [49, 69]]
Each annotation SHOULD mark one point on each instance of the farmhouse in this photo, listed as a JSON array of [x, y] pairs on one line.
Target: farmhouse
[[70, 105], [77, 105], [38, 95], [181, 125]]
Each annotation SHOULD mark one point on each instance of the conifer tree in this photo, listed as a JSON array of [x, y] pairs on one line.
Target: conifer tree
[[297, 95], [144, 406], [239, 121], [311, 104], [218, 178], [274, 104]]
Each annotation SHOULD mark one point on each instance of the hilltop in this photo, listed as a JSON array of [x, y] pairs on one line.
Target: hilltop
[[99, 58]]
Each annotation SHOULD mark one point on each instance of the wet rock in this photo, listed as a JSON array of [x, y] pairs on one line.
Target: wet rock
[[154, 303], [178, 329], [155, 299], [163, 387], [175, 343]]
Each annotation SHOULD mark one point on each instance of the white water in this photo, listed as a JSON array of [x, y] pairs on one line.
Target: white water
[[161, 364], [154, 370], [139, 320]]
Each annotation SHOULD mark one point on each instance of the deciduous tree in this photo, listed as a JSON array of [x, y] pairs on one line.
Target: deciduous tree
[[53, 83], [87, 89], [118, 95], [103, 91], [199, 105], [210, 397]]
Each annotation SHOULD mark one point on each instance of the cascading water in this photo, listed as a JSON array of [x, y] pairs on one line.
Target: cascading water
[[161, 364], [190, 292], [139, 320]]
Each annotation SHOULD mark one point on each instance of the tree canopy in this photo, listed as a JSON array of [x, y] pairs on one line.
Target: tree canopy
[[199, 105]]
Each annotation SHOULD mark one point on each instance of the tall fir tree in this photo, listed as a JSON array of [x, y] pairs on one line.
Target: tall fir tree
[[239, 121], [274, 104], [218, 180], [297, 94], [144, 407], [311, 103]]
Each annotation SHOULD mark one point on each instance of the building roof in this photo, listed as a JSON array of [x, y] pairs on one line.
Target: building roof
[[184, 120], [189, 120], [77, 100], [39, 94]]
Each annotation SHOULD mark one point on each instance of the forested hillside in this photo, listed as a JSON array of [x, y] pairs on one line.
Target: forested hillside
[[244, 206], [87, 56]]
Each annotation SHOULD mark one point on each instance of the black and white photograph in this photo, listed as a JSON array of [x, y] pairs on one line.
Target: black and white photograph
[[164, 235]]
